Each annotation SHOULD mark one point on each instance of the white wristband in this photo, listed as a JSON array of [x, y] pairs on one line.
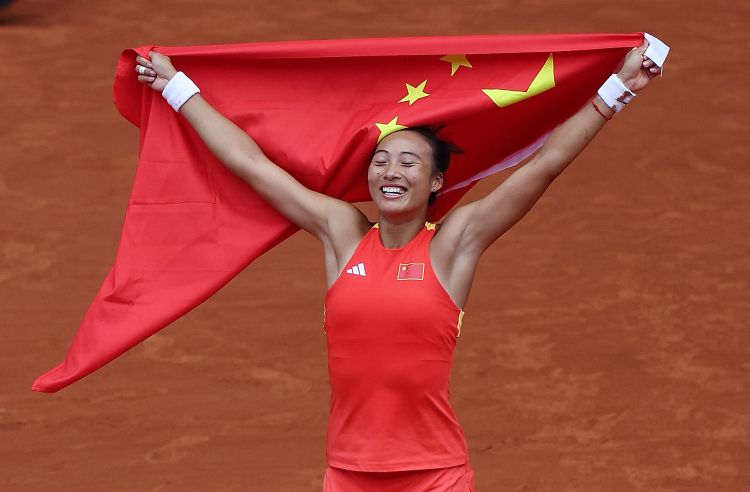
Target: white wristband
[[615, 94], [178, 90]]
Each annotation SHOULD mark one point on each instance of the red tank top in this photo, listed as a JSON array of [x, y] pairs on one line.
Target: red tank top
[[391, 330]]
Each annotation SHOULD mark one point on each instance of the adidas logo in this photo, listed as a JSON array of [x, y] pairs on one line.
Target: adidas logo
[[357, 270]]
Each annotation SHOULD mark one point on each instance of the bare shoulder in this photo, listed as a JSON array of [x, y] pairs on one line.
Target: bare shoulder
[[346, 226], [345, 217]]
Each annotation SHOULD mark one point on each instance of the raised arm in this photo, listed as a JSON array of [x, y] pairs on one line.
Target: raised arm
[[477, 225], [310, 210]]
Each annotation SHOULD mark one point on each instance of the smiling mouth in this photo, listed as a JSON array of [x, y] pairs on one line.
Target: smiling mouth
[[392, 191]]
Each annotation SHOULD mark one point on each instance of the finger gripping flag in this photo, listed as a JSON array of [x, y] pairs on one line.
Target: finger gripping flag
[[317, 109]]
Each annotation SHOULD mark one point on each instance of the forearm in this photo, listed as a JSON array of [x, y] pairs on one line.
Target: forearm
[[308, 209], [241, 155], [486, 219], [569, 139], [229, 143]]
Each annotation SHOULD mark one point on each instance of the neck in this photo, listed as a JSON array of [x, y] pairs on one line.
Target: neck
[[395, 234]]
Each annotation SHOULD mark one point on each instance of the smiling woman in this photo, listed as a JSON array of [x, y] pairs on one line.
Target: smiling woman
[[402, 174], [439, 154], [397, 287]]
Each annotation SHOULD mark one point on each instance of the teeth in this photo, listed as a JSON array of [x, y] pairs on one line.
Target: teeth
[[393, 189]]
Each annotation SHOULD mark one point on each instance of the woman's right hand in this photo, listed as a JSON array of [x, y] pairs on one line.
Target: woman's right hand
[[155, 72]]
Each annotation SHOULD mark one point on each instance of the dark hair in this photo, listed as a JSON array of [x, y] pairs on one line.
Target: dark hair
[[442, 150]]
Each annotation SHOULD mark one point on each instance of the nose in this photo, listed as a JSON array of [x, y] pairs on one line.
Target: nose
[[392, 171]]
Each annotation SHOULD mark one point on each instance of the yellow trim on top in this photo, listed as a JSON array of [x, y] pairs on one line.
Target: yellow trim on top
[[460, 322], [429, 225]]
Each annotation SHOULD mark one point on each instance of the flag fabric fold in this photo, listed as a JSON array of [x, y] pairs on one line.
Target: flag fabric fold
[[317, 109]]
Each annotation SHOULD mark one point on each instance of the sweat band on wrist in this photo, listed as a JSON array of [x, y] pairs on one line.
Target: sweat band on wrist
[[615, 94], [178, 90]]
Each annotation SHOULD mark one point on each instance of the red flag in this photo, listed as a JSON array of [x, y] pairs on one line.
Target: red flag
[[317, 109]]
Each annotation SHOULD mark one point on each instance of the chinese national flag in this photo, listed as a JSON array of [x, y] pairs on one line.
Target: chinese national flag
[[317, 109], [410, 271]]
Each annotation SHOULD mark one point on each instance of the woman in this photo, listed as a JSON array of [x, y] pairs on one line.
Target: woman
[[397, 287]]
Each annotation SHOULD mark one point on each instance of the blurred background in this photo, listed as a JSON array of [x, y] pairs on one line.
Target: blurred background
[[605, 343]]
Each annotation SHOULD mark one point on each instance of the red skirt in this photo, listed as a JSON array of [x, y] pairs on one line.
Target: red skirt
[[452, 479]]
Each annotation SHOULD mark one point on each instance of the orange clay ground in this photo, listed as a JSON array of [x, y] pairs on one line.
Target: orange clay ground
[[605, 345]]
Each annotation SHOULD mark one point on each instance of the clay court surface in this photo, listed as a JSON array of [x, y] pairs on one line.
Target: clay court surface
[[605, 344]]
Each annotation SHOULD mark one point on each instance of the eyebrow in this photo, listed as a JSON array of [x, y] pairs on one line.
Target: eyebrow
[[402, 152]]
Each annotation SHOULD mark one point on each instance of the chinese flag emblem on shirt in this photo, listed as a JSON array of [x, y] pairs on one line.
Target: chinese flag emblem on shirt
[[317, 109], [410, 271]]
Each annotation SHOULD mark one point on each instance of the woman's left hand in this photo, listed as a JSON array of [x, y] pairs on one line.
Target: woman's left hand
[[638, 70]]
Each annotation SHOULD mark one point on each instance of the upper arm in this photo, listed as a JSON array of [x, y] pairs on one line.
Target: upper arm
[[337, 224], [308, 209], [477, 225], [468, 230], [230, 144]]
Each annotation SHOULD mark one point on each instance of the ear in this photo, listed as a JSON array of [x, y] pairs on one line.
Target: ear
[[437, 181]]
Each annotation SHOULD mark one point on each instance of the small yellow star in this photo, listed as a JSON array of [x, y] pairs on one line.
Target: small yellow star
[[456, 61], [388, 128], [415, 93]]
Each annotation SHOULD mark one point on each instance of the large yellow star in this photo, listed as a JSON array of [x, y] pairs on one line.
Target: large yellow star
[[456, 61], [544, 81], [415, 93], [388, 128]]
